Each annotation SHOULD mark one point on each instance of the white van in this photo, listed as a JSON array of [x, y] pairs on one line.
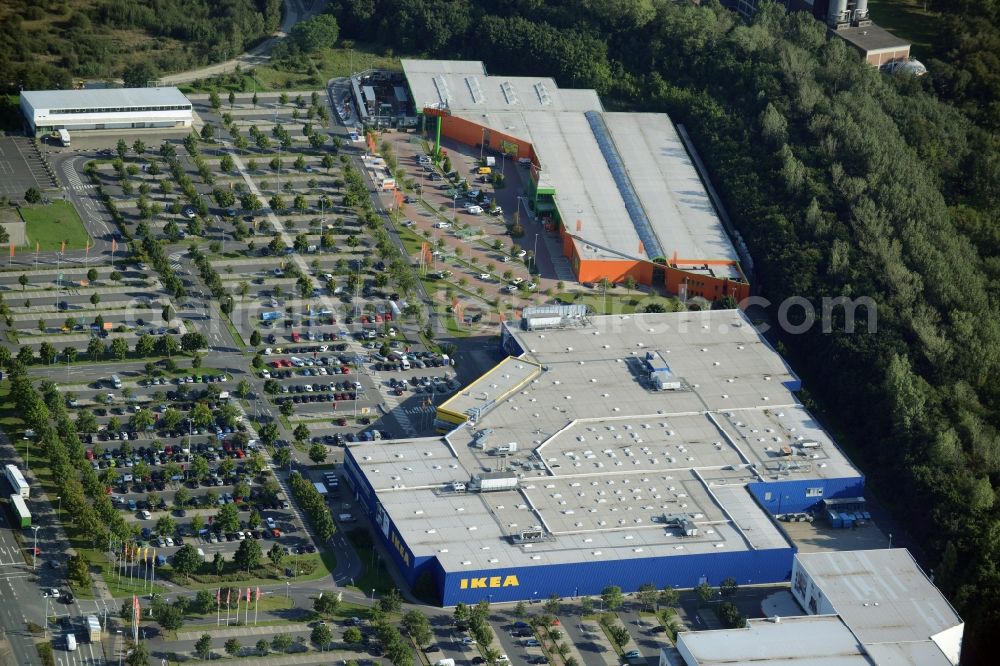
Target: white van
[[404, 363], [70, 642], [116, 381]]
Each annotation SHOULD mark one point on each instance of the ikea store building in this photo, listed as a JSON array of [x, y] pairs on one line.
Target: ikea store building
[[612, 450]]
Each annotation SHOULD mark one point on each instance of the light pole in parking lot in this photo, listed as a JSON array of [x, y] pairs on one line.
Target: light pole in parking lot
[[288, 588], [34, 549], [59, 513]]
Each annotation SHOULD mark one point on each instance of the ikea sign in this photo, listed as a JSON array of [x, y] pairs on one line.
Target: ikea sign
[[488, 582]]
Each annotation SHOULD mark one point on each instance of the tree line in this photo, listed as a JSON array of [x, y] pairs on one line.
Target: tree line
[[45, 43], [844, 182]]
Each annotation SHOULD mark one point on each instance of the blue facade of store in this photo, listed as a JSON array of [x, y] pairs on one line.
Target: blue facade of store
[[800, 495], [749, 567]]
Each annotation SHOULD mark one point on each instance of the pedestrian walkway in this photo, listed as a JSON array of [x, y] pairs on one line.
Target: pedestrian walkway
[[310, 657], [239, 632], [593, 630]]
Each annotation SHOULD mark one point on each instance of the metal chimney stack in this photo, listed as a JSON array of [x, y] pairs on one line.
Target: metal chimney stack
[[861, 13], [837, 16]]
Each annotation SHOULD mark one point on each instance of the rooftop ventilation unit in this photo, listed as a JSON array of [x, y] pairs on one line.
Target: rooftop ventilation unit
[[509, 93], [475, 89], [543, 94], [443, 93], [681, 522]]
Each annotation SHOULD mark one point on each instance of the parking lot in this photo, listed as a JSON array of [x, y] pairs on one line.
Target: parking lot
[[174, 450]]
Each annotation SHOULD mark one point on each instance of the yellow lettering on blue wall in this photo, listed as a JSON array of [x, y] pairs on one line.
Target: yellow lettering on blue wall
[[398, 543], [492, 581]]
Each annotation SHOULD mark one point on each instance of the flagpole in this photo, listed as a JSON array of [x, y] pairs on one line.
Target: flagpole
[[248, 606], [218, 606], [152, 574], [256, 601]]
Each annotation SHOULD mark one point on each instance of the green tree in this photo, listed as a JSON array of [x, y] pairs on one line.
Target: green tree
[[203, 647], [353, 635], [729, 587], [315, 33], [704, 592], [119, 348], [326, 604], [612, 597], [263, 647], [276, 554], [619, 635], [233, 647], [249, 554], [647, 595], [32, 195], [321, 636], [281, 642]]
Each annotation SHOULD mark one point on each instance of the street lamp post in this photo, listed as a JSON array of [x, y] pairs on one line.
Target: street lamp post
[[34, 549], [288, 586], [59, 513], [890, 540], [373, 595]]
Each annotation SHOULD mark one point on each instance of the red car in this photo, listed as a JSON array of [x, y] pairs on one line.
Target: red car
[[276, 533], [277, 364]]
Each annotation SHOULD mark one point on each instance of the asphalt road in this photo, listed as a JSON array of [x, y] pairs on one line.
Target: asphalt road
[[295, 11]]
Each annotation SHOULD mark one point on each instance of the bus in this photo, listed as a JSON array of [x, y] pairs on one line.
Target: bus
[[20, 510], [64, 137], [16, 480]]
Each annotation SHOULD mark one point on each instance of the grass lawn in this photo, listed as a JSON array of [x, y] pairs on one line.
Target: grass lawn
[[53, 223], [618, 303], [331, 63], [908, 19]]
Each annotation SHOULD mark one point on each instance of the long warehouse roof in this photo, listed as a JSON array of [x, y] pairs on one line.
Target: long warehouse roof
[[624, 183], [101, 98]]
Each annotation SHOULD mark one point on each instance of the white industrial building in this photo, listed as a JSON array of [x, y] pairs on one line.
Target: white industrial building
[[863, 607], [106, 108]]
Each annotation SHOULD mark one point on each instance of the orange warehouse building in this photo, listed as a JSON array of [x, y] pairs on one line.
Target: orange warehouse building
[[619, 188]]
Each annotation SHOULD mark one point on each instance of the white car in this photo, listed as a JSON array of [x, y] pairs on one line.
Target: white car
[[531, 286], [145, 515], [497, 211], [327, 277], [474, 210], [485, 276], [442, 225], [265, 374], [170, 542], [516, 280], [391, 332], [467, 640], [521, 254], [408, 223], [271, 523], [267, 351]]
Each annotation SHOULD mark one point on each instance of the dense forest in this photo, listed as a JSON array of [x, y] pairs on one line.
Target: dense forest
[[48, 43], [844, 182], [966, 65]]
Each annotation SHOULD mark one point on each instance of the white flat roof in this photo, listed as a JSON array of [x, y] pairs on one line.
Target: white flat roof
[[464, 86], [602, 459], [883, 595], [816, 639], [99, 98], [672, 194]]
